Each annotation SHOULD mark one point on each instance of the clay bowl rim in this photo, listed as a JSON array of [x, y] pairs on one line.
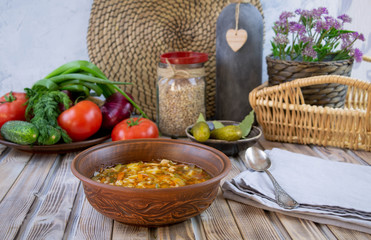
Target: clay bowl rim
[[211, 181], [218, 141]]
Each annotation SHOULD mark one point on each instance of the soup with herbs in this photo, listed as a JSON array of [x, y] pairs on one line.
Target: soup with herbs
[[155, 174]]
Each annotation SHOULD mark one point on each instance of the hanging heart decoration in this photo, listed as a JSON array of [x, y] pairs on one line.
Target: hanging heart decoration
[[236, 39]]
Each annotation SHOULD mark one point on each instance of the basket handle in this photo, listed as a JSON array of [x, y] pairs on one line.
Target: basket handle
[[264, 90], [366, 58], [303, 82], [352, 82]]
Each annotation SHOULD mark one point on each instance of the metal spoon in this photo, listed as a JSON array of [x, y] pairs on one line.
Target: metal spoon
[[257, 160]]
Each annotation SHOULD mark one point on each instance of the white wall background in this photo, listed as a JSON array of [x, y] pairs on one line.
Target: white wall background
[[36, 36]]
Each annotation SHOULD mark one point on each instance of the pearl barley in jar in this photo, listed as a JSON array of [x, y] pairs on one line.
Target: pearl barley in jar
[[181, 90]]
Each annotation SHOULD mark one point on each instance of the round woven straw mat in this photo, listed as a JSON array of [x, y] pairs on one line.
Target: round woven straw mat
[[126, 38]]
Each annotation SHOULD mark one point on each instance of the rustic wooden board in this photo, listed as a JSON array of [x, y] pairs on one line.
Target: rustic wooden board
[[252, 222], [365, 156], [218, 221], [183, 230], [74, 218], [10, 167], [2, 148], [16, 204], [49, 216], [41, 199], [237, 73], [127, 232], [92, 224], [346, 234], [335, 154]]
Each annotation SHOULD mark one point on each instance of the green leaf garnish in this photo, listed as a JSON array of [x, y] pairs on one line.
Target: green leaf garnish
[[201, 118], [246, 124], [217, 124]]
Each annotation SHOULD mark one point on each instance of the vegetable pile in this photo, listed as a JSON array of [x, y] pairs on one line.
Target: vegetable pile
[[203, 130], [58, 108]]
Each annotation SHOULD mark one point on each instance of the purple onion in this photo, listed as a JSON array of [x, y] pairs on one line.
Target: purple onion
[[115, 109]]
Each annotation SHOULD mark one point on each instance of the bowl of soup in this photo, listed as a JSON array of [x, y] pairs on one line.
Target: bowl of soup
[[151, 182]]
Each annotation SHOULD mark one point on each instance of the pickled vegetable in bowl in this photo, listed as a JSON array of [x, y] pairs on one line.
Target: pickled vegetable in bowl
[[230, 148]]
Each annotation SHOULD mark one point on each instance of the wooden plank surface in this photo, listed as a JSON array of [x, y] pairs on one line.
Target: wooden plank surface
[[41, 199], [17, 202], [49, 216], [181, 231], [218, 221], [2, 148], [11, 165], [123, 231], [252, 222], [365, 156], [74, 218], [93, 225]]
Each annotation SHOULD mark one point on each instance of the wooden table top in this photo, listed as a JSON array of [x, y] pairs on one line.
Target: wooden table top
[[40, 198]]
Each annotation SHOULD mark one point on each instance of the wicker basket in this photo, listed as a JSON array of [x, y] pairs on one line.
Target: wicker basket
[[284, 116], [326, 95]]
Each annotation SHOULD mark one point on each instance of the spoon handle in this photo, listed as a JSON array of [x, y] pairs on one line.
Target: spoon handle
[[282, 197]]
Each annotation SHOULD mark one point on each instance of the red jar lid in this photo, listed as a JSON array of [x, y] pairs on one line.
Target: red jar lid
[[184, 57]]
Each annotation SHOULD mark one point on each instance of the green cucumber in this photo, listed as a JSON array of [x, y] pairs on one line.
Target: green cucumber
[[53, 136], [20, 132]]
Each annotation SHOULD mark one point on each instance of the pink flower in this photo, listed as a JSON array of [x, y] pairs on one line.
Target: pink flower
[[285, 15], [309, 51], [345, 18], [314, 36], [357, 54], [356, 36], [319, 12], [305, 39], [361, 37], [332, 22], [281, 39], [346, 40], [297, 27], [320, 26], [304, 13]]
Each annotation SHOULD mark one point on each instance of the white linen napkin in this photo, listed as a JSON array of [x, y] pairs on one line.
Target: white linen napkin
[[328, 192]]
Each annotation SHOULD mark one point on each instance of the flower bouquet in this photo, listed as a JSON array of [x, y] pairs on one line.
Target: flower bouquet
[[315, 37], [315, 44]]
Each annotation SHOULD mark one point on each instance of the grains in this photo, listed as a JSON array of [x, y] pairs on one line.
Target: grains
[[180, 102]]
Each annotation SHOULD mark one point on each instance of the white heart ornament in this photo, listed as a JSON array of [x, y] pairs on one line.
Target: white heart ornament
[[236, 39]]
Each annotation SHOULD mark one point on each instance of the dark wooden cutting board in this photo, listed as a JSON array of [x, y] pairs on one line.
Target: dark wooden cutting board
[[237, 73]]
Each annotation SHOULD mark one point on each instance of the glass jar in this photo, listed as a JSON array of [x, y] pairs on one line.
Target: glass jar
[[181, 91]]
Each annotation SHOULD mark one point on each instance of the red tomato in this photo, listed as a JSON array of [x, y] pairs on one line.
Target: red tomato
[[134, 128], [12, 107], [81, 121]]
